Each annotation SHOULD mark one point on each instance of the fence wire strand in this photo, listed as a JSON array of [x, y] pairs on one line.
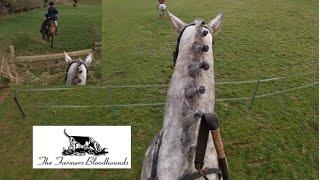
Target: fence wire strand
[[161, 85], [161, 103]]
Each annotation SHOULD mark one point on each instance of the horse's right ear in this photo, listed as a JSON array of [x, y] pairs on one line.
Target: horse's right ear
[[88, 59], [177, 23], [215, 24], [67, 58]]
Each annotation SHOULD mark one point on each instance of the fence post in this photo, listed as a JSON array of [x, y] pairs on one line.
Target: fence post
[[15, 97], [11, 54], [254, 94], [111, 108], [94, 46]]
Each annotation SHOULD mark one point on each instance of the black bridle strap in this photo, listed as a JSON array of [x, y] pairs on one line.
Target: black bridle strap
[[202, 141], [210, 122], [196, 175], [176, 52]]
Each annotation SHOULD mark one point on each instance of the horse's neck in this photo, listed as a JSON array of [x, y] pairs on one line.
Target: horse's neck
[[181, 81], [180, 128]]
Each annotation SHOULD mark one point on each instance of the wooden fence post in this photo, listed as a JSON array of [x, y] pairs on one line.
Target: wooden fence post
[[12, 54]]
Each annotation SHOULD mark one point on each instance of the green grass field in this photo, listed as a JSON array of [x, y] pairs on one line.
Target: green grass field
[[78, 29], [278, 139]]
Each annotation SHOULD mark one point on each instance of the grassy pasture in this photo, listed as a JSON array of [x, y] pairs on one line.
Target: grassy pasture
[[78, 29], [278, 139]]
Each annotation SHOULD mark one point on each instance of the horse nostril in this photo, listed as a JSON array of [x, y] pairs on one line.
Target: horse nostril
[[203, 22], [79, 80]]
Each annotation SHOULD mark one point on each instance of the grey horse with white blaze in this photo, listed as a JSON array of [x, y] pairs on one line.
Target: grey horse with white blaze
[[77, 71], [171, 155]]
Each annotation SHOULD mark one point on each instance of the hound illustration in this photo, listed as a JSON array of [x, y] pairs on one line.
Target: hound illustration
[[81, 145]]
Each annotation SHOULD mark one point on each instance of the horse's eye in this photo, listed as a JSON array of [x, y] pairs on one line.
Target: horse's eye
[[80, 71]]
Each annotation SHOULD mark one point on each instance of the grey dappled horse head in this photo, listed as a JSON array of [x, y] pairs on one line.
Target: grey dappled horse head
[[191, 90], [77, 70]]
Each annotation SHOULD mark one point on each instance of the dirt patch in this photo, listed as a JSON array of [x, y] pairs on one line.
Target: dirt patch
[[241, 144], [256, 162], [4, 93]]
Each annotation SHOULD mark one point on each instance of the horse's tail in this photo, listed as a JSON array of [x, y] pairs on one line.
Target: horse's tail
[[43, 26], [52, 36], [65, 133]]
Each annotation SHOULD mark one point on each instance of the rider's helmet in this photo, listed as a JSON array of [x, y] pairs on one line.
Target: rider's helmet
[[51, 3]]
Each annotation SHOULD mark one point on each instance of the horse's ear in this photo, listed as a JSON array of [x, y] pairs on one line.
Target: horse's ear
[[67, 58], [88, 59], [177, 23], [215, 24]]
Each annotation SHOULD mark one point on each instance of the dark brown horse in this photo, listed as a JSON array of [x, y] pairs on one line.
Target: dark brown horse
[[48, 30]]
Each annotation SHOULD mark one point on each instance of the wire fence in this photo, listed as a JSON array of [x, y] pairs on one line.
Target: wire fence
[[162, 103], [162, 85], [112, 106]]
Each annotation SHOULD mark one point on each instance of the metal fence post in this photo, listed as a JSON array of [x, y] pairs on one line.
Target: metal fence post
[[254, 94], [111, 108], [15, 97]]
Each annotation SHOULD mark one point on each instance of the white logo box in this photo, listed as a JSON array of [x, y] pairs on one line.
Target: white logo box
[[52, 148]]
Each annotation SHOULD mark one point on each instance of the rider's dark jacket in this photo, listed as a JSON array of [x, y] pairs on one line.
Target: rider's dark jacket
[[52, 13]]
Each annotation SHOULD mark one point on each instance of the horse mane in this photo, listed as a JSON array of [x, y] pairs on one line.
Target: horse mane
[[192, 91]]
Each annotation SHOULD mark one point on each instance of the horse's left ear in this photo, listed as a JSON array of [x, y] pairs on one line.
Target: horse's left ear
[[177, 23], [88, 59], [67, 58], [215, 24]]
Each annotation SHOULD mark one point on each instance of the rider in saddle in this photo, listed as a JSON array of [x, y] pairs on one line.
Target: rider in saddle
[[52, 14]]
